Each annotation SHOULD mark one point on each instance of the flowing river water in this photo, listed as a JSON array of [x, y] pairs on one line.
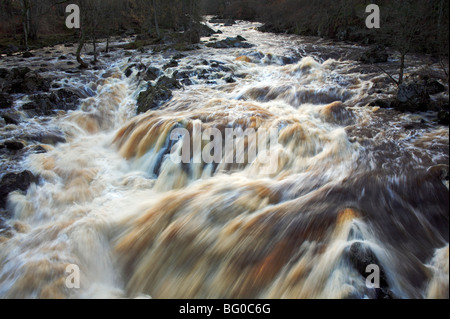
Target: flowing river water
[[350, 187]]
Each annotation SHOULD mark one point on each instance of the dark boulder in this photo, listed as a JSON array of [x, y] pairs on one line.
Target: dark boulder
[[154, 96], [14, 145], [5, 101], [168, 83], [171, 64], [376, 54], [236, 42], [152, 99], [11, 118], [23, 80], [50, 138], [45, 104], [15, 181], [229, 79], [360, 255], [434, 87], [27, 55], [381, 103], [411, 97], [206, 31], [152, 74], [221, 20], [67, 98], [443, 117]]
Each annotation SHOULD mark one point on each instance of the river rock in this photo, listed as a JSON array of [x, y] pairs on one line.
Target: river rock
[[411, 97], [206, 31], [360, 256], [155, 95], [6, 101], [152, 98], [237, 42], [443, 117], [12, 117], [168, 83], [27, 55], [376, 54], [152, 74], [15, 181], [14, 145], [434, 87], [226, 21], [171, 64], [50, 137], [45, 104], [23, 80]]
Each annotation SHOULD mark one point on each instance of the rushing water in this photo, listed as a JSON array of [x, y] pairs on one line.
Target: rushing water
[[350, 184]]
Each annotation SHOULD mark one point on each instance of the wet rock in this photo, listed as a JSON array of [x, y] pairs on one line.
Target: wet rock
[[152, 74], [360, 256], [434, 87], [15, 181], [206, 31], [411, 97], [11, 118], [171, 64], [129, 70], [237, 42], [168, 83], [50, 138], [225, 21], [14, 145], [443, 117], [27, 55], [67, 99], [154, 96], [229, 79], [45, 104], [41, 105], [6, 101], [178, 56], [23, 80], [376, 54], [381, 103]]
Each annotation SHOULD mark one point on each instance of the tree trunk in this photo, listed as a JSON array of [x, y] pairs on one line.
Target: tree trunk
[[156, 19], [26, 22], [402, 68], [80, 47], [94, 43], [107, 44]]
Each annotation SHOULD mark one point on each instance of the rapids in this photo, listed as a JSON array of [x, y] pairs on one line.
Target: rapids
[[350, 184]]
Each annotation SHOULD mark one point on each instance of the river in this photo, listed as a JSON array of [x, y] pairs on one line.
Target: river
[[350, 187]]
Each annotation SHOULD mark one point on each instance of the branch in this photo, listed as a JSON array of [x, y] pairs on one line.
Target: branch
[[390, 76]]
